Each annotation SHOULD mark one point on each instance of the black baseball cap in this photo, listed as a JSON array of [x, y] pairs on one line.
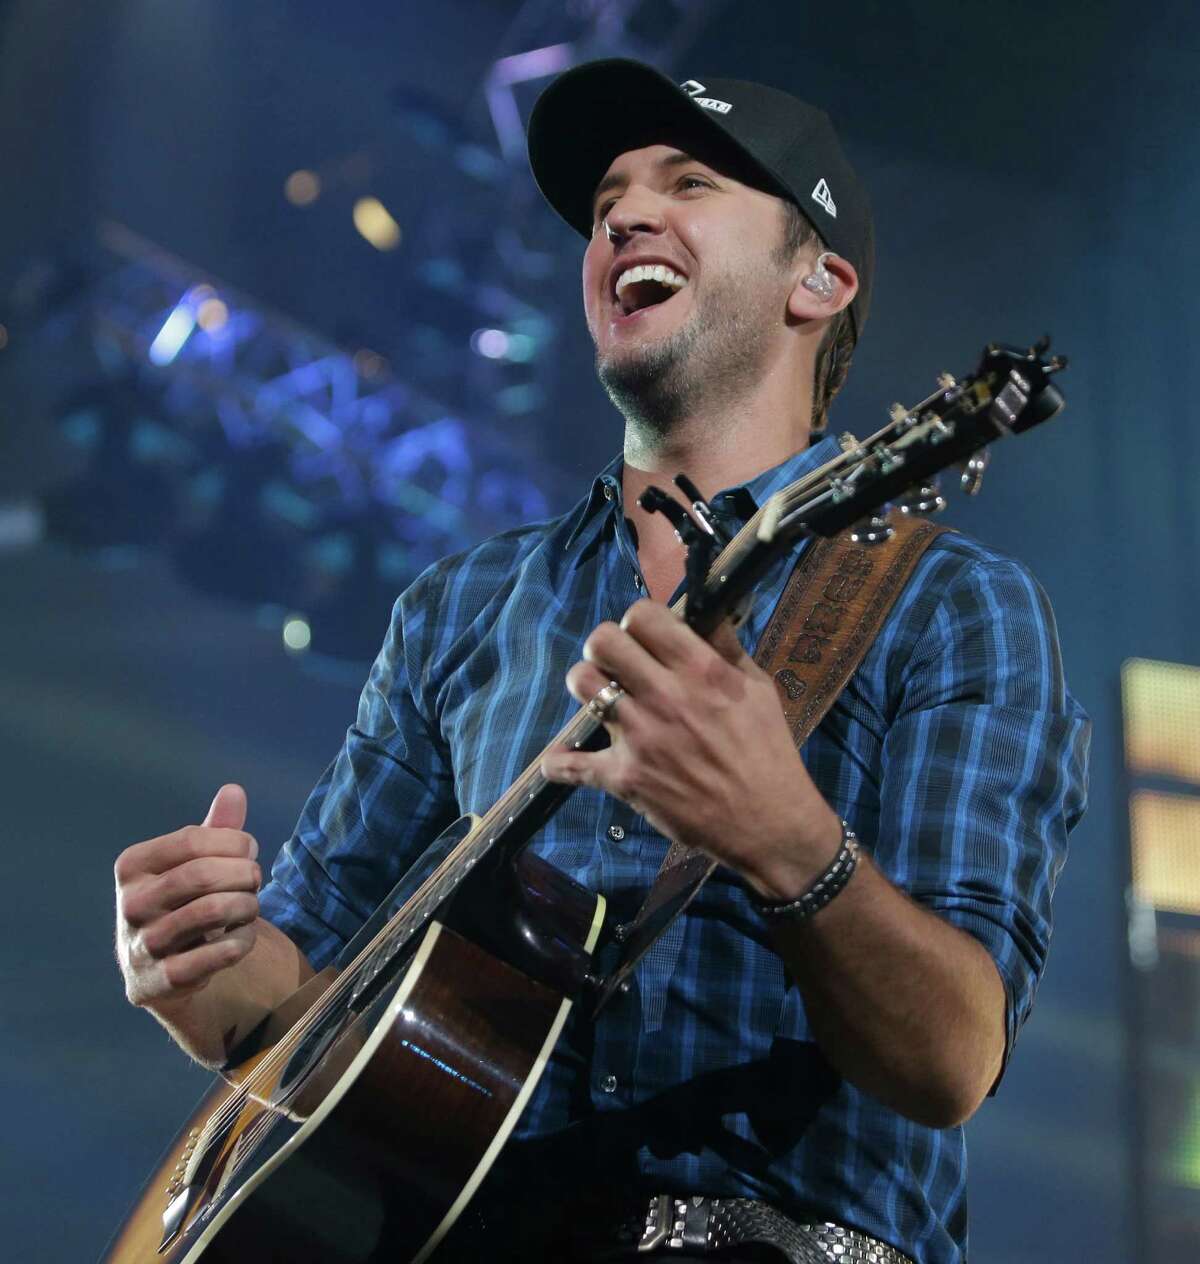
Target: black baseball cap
[[600, 109]]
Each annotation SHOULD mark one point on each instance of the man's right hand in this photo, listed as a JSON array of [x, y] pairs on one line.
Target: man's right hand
[[187, 903]]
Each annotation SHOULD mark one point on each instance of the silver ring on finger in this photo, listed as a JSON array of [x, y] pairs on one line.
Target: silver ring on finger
[[604, 704]]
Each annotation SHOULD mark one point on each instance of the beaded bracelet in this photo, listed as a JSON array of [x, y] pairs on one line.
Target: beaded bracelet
[[822, 890]]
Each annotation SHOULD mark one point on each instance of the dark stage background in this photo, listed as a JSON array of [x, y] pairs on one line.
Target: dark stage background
[[165, 504]]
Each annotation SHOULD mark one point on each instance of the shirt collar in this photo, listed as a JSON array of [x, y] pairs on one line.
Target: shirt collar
[[740, 501], [604, 494]]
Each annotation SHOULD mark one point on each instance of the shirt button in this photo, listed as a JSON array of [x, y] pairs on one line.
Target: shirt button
[[616, 832], [608, 1084], [609, 491]]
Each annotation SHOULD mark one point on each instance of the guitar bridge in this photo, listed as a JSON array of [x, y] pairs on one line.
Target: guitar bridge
[[175, 1215]]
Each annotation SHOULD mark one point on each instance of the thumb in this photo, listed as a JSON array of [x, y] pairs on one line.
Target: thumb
[[228, 810]]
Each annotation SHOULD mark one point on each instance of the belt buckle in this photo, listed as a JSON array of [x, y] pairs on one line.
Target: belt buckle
[[659, 1219]]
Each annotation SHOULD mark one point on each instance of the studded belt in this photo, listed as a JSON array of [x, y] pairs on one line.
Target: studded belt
[[710, 1224]]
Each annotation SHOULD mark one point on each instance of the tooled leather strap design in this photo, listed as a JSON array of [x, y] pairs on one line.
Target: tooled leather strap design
[[831, 610]]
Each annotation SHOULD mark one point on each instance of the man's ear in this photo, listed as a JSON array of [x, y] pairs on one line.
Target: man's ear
[[808, 304]]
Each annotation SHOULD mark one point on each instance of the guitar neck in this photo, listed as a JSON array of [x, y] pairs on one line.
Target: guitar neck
[[531, 800]]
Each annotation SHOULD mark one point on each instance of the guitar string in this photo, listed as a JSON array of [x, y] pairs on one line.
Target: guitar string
[[261, 1074], [805, 493], [792, 497]]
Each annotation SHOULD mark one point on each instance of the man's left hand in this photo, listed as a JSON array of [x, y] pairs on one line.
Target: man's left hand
[[701, 748]]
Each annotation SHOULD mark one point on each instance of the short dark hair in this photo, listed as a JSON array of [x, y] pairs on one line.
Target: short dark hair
[[837, 346]]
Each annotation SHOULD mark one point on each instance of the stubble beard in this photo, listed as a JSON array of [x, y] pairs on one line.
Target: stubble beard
[[716, 356]]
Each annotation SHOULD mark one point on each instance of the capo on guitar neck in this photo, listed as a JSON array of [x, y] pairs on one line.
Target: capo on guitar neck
[[698, 531], [702, 510], [687, 528]]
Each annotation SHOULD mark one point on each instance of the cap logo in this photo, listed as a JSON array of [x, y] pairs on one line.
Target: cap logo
[[694, 89], [823, 197]]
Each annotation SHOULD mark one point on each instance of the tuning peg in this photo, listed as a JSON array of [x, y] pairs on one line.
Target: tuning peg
[[897, 412], [873, 530], [926, 499], [972, 472], [947, 381]]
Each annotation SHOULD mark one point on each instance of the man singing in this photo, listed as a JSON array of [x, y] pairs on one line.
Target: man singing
[[818, 1063]]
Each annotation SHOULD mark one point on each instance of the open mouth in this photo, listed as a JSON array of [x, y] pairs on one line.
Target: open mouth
[[646, 285]]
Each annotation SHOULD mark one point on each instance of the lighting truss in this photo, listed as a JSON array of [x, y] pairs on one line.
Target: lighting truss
[[355, 435]]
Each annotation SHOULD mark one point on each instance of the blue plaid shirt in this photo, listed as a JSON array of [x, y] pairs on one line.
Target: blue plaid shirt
[[956, 754]]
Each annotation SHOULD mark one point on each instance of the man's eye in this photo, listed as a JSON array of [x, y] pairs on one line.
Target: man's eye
[[694, 182], [602, 211]]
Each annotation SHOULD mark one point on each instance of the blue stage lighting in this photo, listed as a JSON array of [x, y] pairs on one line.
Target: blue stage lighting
[[492, 344], [176, 330]]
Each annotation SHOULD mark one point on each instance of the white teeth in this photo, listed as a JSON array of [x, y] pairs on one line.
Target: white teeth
[[651, 272]]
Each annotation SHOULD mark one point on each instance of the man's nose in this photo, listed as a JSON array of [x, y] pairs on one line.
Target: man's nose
[[635, 211]]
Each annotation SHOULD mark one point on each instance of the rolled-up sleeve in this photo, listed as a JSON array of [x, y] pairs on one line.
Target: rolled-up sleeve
[[985, 771], [378, 805]]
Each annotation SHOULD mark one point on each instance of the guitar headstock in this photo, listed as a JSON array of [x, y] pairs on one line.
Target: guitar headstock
[[1023, 379], [1010, 392]]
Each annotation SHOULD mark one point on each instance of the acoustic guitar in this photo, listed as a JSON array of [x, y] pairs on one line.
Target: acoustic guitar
[[357, 1122]]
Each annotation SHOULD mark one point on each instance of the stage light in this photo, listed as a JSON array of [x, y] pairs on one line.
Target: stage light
[[297, 635], [175, 331], [183, 319], [521, 348], [1182, 1162], [302, 188], [22, 525], [1165, 831], [375, 223], [212, 315], [499, 344], [369, 364], [1162, 705], [249, 464], [492, 344], [81, 426]]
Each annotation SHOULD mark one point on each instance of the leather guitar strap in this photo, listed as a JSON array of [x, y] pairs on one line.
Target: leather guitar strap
[[833, 606]]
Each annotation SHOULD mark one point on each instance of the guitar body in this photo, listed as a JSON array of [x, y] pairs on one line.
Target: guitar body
[[366, 1141]]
